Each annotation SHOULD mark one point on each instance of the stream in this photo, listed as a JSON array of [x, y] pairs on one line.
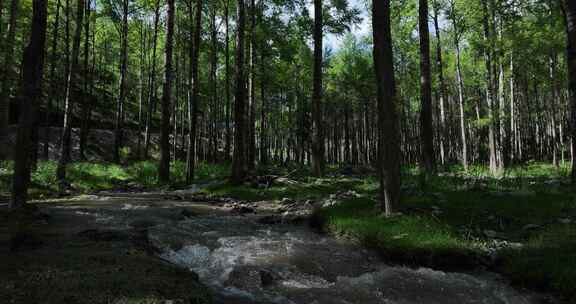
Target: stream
[[246, 261]]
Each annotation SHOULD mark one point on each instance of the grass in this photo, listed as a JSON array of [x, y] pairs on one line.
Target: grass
[[444, 225], [547, 261], [88, 177], [299, 189], [411, 240]]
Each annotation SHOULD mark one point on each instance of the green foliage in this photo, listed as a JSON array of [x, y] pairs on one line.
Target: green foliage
[[359, 219], [553, 251], [87, 177]]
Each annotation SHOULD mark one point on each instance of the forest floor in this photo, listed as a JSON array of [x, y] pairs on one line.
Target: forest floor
[[522, 224], [65, 255]]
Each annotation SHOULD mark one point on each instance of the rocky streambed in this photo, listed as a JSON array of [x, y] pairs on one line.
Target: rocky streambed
[[264, 253]]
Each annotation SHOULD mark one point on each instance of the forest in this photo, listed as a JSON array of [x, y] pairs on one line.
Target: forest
[[288, 151]]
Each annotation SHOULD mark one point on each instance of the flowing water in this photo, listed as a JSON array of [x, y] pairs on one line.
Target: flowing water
[[248, 262]]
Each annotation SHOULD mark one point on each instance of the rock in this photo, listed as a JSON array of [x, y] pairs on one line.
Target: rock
[[243, 209], [565, 221], [490, 233], [251, 278], [296, 216], [270, 220], [185, 213], [143, 223], [104, 235], [286, 201], [531, 227]]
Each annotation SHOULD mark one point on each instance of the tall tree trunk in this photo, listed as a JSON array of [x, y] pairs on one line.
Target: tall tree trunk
[[164, 167], [72, 94], [388, 134], [239, 157], [426, 128], [53, 81], [251, 129], [512, 134], [1, 22], [570, 16], [442, 87], [317, 128], [152, 88], [87, 100], [228, 136], [194, 94], [7, 74], [460, 82], [213, 84], [118, 126], [141, 88], [490, 96], [31, 96]]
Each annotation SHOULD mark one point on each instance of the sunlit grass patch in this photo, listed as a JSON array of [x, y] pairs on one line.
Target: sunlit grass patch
[[409, 239]]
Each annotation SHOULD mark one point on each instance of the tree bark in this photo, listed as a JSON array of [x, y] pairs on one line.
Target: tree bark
[[251, 129], [490, 89], [570, 16], [388, 134], [53, 80], [426, 128], [118, 126], [72, 94], [228, 114], [460, 82], [164, 166], [152, 88], [31, 96], [442, 97], [7, 73], [317, 127], [194, 100], [239, 157], [86, 101]]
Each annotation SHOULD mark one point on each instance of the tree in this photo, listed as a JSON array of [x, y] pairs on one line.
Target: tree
[[239, 154], [53, 81], [388, 132], [490, 88], [30, 98], [7, 72], [317, 135], [164, 167], [194, 90], [118, 128], [457, 24], [152, 86], [72, 94], [228, 111], [86, 104], [442, 96], [426, 128], [570, 16]]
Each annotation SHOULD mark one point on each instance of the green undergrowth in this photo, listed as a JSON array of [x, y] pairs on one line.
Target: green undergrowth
[[297, 189], [456, 218], [417, 240], [547, 261], [88, 177]]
